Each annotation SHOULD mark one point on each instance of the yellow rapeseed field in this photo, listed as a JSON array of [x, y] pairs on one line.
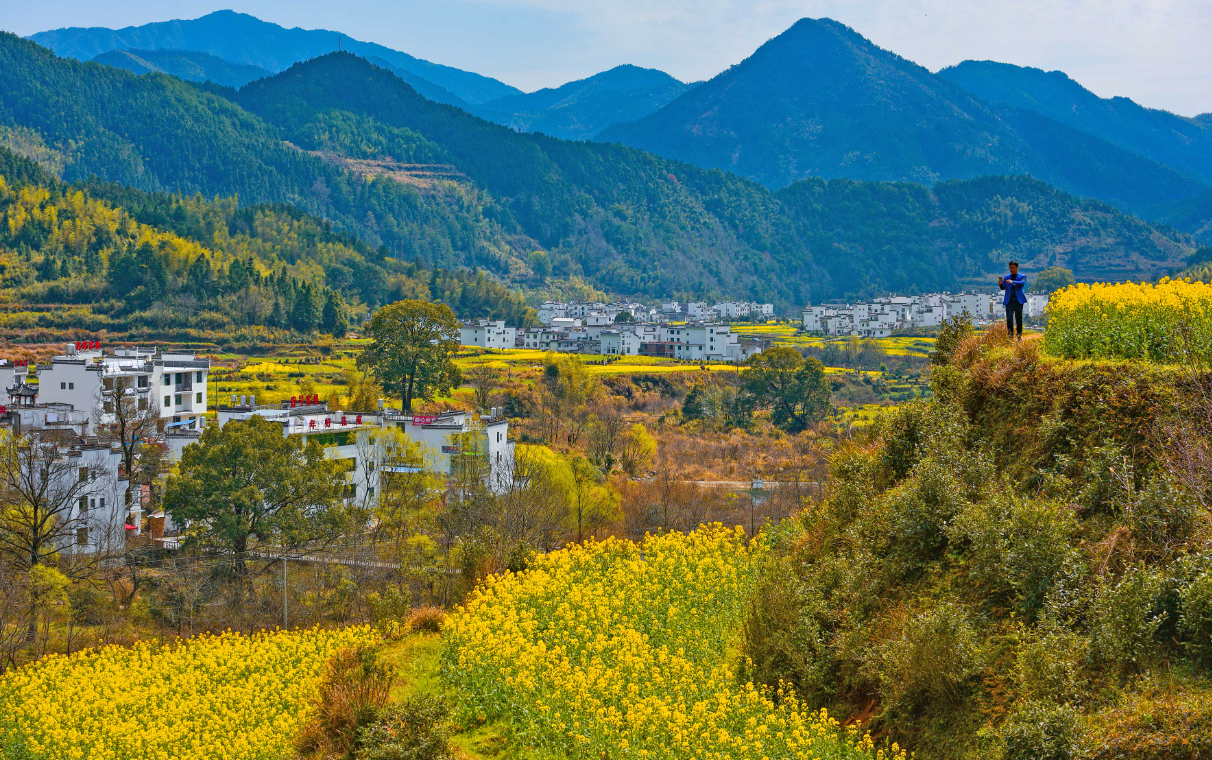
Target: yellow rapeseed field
[[225, 697], [1168, 322], [618, 650]]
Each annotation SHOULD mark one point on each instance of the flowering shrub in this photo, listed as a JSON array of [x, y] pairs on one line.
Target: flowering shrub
[[617, 650], [1167, 322], [220, 697]]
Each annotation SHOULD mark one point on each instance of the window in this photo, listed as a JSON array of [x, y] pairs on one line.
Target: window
[[83, 474], [92, 503], [168, 401], [62, 386], [168, 380], [178, 399], [198, 376], [142, 381], [178, 378], [71, 386], [83, 504], [81, 536], [142, 403], [103, 503], [198, 397]]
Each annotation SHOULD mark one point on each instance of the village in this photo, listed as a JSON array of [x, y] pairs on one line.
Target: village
[[696, 331]]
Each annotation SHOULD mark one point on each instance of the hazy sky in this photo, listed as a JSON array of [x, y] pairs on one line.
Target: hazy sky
[[1156, 52]]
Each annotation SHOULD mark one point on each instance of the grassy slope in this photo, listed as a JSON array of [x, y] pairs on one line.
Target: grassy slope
[[416, 659]]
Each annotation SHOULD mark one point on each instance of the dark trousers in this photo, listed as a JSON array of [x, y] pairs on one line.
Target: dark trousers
[[1014, 318]]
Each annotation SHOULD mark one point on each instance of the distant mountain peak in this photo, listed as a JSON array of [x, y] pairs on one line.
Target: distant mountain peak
[[245, 39]]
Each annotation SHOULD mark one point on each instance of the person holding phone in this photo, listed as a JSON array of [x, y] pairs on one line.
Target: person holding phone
[[1013, 300]]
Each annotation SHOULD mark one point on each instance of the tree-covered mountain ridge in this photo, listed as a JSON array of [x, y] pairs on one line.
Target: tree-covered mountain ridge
[[628, 222], [107, 259], [820, 100]]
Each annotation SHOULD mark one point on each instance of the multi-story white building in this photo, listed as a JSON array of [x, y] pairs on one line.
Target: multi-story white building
[[618, 343], [1037, 304], [173, 383], [487, 334]]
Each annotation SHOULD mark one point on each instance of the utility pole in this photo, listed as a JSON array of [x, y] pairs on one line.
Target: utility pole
[[285, 597]]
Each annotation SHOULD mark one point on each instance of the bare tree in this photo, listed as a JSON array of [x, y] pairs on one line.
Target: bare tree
[[131, 418], [531, 504], [606, 426], [42, 484], [484, 379]]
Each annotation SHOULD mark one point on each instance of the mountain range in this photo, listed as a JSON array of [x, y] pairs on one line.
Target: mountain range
[[240, 38], [819, 100], [342, 138], [580, 110]]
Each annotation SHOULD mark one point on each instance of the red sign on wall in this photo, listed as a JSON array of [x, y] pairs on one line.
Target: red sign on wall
[[424, 419]]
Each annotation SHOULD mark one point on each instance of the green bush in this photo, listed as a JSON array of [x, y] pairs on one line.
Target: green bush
[[1163, 517], [1041, 731], [1126, 618], [930, 662], [1018, 546], [1050, 666], [1196, 621], [415, 729]]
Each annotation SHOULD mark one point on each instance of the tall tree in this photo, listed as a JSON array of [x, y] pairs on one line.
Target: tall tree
[[793, 388], [245, 485], [412, 342], [130, 418]]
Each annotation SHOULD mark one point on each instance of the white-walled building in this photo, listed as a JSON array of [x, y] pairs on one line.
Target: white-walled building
[[174, 383], [487, 334], [1037, 304]]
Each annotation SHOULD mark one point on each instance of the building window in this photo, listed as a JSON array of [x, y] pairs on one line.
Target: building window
[[142, 381], [198, 397], [168, 380], [168, 401], [83, 474], [92, 503], [83, 504], [178, 378], [62, 386], [178, 399], [198, 376], [71, 386], [142, 403], [102, 503], [81, 536]]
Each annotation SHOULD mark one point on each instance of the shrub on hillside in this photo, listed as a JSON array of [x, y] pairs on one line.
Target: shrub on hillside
[[427, 619], [415, 729], [352, 692], [1041, 731], [930, 663], [1126, 618], [1018, 545], [1050, 665], [1196, 621]]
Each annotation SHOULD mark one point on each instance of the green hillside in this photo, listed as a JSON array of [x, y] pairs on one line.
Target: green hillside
[[183, 64], [104, 258]]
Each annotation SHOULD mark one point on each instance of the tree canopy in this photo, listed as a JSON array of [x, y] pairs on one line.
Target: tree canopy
[[792, 387], [412, 342]]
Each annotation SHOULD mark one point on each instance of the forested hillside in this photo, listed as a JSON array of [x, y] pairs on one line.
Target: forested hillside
[[184, 64], [96, 257], [820, 100], [348, 141]]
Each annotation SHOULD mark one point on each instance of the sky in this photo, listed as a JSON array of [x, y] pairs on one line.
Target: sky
[[1155, 52]]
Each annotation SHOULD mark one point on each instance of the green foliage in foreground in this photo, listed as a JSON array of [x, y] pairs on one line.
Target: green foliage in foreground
[[1006, 566]]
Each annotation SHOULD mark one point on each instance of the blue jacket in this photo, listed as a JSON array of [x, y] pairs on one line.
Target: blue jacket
[[1014, 289]]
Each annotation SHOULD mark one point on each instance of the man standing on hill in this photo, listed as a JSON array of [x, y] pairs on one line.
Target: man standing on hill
[[1013, 300]]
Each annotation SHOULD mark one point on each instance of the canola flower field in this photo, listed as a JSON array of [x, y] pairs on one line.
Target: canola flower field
[[1170, 322], [618, 650], [225, 697]]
